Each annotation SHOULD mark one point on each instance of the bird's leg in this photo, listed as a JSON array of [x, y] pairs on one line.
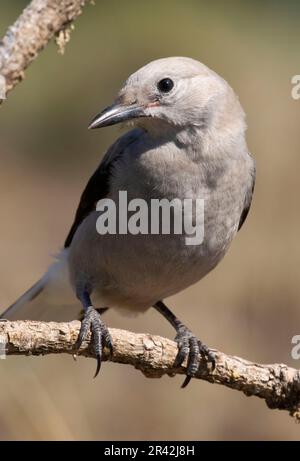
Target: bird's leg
[[92, 322], [188, 345], [81, 314]]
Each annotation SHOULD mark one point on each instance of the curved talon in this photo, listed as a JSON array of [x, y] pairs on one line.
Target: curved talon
[[191, 348], [186, 382], [109, 345], [181, 355], [206, 352], [100, 334], [183, 349], [98, 358]]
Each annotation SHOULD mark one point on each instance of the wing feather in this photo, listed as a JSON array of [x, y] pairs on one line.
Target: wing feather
[[97, 187], [248, 198]]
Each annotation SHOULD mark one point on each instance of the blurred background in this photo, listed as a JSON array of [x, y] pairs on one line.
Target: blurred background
[[248, 306]]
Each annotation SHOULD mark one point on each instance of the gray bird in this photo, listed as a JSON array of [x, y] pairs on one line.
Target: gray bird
[[187, 141]]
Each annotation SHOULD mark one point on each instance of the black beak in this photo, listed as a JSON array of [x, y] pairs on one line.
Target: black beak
[[117, 113]]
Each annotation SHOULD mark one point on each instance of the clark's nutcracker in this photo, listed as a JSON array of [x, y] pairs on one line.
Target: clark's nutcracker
[[187, 141]]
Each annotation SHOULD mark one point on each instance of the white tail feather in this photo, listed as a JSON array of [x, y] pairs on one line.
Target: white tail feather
[[51, 298]]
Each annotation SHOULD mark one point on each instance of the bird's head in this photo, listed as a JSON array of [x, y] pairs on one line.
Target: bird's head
[[176, 93]]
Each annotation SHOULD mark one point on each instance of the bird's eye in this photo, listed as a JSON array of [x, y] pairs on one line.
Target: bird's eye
[[165, 85]]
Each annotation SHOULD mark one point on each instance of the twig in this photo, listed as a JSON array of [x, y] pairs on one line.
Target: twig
[[38, 24], [277, 384]]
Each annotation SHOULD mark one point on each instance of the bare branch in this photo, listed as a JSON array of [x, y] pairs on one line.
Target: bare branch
[[277, 384], [37, 25]]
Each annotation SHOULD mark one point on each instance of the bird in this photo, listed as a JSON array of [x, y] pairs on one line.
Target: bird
[[185, 139]]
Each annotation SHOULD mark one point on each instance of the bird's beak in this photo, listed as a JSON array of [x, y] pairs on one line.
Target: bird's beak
[[117, 113]]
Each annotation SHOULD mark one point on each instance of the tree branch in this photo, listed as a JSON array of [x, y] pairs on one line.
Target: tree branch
[[277, 384], [40, 21]]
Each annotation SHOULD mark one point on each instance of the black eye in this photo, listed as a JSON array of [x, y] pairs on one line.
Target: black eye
[[165, 85]]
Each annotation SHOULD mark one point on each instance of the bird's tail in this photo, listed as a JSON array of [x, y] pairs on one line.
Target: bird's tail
[[50, 298]]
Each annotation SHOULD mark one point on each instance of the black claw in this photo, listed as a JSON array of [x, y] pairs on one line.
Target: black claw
[[79, 339], [210, 356], [108, 344], [191, 348], [98, 358], [181, 355], [100, 334], [186, 382], [179, 358]]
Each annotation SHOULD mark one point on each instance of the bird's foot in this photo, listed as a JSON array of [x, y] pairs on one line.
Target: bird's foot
[[191, 348], [100, 335]]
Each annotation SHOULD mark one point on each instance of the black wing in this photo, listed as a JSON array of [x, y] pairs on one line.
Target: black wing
[[248, 199], [98, 186]]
